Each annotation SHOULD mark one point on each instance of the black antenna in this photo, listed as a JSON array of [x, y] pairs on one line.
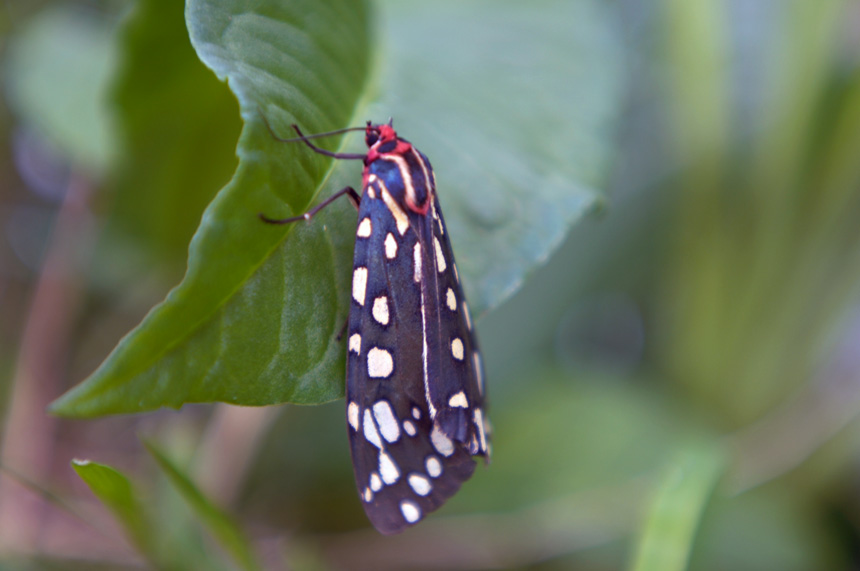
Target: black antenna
[[301, 136]]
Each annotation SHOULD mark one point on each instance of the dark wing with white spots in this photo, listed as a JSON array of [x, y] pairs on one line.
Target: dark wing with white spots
[[456, 370], [412, 435]]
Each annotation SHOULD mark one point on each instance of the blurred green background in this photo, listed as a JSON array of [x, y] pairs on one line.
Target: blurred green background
[[674, 378]]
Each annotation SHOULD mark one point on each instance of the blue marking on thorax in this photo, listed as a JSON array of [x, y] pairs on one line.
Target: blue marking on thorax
[[391, 176]]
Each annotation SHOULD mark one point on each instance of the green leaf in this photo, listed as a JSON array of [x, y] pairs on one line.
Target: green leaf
[[58, 71], [220, 524], [179, 126], [667, 536], [244, 326], [117, 493], [256, 319], [514, 103]]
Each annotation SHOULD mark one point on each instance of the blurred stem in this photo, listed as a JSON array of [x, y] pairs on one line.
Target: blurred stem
[[219, 523], [766, 262], [696, 46], [801, 66], [839, 170], [671, 522], [28, 435], [765, 294], [227, 448]]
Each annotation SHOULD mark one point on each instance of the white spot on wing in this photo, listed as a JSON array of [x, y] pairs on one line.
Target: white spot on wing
[[441, 442], [375, 482], [368, 495], [370, 432], [355, 343], [365, 228], [420, 484], [359, 284], [416, 413], [409, 428], [406, 174], [400, 217], [457, 348], [433, 466], [386, 420], [390, 246], [352, 415], [411, 512], [416, 262], [441, 265], [456, 274], [458, 400], [451, 299], [379, 363], [388, 469], [425, 358], [479, 424], [380, 310]]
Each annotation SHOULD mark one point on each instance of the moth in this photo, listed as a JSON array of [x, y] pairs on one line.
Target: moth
[[415, 394]]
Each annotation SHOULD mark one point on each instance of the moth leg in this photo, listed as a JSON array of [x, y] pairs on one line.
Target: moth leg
[[350, 192]]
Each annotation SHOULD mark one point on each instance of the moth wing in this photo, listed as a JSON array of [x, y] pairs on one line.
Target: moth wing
[[457, 392], [405, 466]]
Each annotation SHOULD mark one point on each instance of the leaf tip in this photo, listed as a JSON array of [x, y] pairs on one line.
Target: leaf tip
[[64, 405]]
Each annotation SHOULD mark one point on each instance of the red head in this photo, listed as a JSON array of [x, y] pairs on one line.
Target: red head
[[379, 134], [383, 140]]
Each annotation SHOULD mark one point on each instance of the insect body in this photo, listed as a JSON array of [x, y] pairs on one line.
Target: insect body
[[415, 387]]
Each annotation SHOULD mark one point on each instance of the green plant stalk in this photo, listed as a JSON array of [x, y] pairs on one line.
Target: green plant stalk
[[777, 173], [219, 524], [667, 535]]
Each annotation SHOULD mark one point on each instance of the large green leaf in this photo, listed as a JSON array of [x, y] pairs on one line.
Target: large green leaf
[[514, 104], [518, 132], [243, 326]]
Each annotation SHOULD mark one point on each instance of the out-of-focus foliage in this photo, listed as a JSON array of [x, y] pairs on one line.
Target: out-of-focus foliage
[[58, 71], [219, 524], [115, 490], [765, 268], [179, 128], [676, 387]]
